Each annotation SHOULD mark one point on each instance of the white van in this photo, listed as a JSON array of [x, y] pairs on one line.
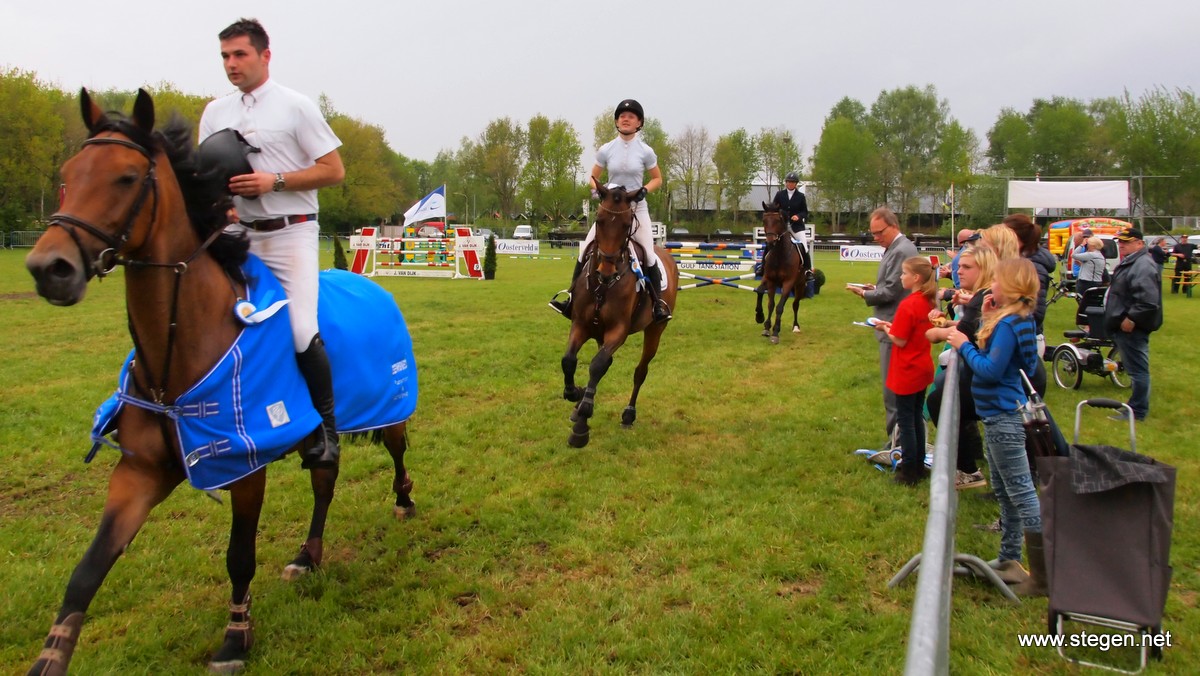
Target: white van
[[523, 232]]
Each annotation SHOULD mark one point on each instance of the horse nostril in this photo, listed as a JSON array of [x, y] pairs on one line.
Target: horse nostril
[[61, 268]]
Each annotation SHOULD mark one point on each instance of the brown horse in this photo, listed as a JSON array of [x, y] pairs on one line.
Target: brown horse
[[783, 270], [608, 308], [134, 197]]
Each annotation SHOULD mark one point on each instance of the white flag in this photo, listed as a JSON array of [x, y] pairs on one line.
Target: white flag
[[432, 205]]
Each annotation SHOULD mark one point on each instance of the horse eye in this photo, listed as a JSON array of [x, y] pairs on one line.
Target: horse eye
[[127, 179]]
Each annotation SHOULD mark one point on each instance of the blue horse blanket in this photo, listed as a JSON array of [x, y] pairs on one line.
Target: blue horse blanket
[[253, 406]]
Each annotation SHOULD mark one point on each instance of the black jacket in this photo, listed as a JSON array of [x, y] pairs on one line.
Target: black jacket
[[797, 206], [1136, 293]]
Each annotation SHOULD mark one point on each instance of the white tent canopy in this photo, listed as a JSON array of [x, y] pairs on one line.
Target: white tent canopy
[[1068, 194]]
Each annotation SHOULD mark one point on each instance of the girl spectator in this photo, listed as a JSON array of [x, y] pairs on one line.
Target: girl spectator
[[1007, 345], [910, 370], [975, 273]]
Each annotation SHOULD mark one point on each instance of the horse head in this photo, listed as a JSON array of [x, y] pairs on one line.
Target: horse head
[[117, 191], [773, 224], [110, 195], [614, 227]]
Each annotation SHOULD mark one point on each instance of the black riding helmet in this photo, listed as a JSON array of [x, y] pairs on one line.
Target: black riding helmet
[[225, 153], [629, 105]]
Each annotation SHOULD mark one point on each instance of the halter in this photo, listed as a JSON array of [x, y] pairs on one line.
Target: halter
[[622, 254]]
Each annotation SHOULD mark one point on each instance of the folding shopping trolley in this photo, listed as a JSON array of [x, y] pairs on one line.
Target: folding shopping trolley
[[1107, 516]]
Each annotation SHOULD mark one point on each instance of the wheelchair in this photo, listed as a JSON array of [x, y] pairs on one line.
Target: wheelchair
[[1089, 349]]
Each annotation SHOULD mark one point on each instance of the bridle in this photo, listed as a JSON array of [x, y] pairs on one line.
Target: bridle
[[108, 259], [618, 259]]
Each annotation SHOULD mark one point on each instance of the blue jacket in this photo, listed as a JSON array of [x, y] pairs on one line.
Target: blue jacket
[[997, 386]]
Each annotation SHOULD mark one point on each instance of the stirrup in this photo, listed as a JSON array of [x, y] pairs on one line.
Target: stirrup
[[661, 311], [562, 307]]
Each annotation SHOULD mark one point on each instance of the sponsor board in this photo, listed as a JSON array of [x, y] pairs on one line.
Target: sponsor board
[[362, 242], [848, 252], [714, 265], [518, 246]]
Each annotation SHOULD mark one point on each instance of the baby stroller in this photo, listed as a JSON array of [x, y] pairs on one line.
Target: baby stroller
[[1065, 288], [1088, 349]]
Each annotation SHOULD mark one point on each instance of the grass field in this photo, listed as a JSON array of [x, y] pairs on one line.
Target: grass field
[[731, 531]]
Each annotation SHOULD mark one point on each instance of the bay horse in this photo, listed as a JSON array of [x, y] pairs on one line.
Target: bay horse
[[782, 270], [608, 308], [134, 197]]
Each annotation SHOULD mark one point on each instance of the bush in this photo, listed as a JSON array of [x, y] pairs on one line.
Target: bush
[[339, 254], [489, 258]]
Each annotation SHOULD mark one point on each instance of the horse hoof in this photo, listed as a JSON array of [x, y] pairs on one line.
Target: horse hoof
[[573, 395], [577, 440], [583, 411], [774, 340], [404, 513], [759, 319], [766, 333], [231, 658], [293, 572], [795, 329], [628, 416]]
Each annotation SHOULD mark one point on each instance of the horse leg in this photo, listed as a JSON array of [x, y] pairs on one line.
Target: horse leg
[[596, 371], [778, 312], [395, 438], [758, 311], [246, 498], [133, 490], [796, 314], [575, 340], [770, 312], [323, 480], [649, 348]]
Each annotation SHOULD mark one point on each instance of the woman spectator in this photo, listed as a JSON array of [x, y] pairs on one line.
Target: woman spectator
[[1091, 266]]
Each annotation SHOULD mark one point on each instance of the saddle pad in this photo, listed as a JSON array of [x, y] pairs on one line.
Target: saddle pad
[[253, 406]]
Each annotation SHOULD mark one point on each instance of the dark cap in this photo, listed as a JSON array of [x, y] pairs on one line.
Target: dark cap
[[1130, 235], [1086, 232]]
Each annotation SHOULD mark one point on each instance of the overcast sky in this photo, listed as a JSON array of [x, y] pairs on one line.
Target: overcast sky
[[434, 71]]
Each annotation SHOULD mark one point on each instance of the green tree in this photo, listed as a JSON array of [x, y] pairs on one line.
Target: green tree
[[692, 168], [737, 165], [908, 124], [369, 193], [31, 147], [550, 178], [1162, 144], [779, 154], [496, 158], [845, 162]]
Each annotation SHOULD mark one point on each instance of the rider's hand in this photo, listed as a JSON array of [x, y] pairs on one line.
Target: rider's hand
[[252, 185]]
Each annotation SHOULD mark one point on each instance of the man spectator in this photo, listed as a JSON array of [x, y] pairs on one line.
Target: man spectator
[[1182, 253], [1159, 254], [1132, 310], [950, 270], [794, 208], [887, 292]]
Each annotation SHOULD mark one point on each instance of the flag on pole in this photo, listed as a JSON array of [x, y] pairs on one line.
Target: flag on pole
[[432, 205]]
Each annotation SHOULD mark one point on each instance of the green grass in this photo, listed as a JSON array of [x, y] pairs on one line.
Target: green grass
[[730, 531]]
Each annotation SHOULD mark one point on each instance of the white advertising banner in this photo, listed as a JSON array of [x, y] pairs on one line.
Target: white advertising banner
[[860, 253], [524, 247], [1068, 194]]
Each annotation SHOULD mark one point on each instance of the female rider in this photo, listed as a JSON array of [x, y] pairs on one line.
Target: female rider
[[627, 159]]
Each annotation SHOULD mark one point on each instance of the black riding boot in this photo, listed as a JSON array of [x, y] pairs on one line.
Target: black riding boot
[[314, 366], [805, 260], [563, 307], [654, 284]]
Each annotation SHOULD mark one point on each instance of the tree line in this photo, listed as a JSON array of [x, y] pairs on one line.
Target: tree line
[[905, 150]]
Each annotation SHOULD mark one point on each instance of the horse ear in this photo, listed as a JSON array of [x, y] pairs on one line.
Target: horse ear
[[90, 111], [143, 111], [766, 207], [600, 188]]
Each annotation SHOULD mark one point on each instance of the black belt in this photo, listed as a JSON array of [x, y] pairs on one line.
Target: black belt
[[273, 224]]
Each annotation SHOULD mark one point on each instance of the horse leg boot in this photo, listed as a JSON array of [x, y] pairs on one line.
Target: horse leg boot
[[654, 285], [563, 307], [314, 366], [1036, 584]]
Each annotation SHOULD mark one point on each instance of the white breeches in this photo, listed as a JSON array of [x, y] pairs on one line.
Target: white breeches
[[291, 253], [642, 234]]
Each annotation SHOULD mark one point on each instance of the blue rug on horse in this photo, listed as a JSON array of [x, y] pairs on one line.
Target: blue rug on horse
[[253, 406]]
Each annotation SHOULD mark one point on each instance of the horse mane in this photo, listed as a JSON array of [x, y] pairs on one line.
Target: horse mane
[[204, 193]]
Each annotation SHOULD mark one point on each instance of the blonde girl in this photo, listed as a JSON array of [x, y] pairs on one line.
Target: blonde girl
[[910, 369], [1008, 344]]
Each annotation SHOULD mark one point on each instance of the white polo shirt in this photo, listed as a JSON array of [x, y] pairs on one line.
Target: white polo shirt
[[289, 129], [627, 161]]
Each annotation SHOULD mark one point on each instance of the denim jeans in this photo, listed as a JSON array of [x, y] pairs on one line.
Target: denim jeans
[[1134, 351], [1011, 482], [910, 423]]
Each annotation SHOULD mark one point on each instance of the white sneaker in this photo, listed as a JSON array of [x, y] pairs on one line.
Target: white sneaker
[[963, 481]]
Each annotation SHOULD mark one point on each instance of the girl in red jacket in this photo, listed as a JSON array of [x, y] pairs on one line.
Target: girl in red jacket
[[911, 367]]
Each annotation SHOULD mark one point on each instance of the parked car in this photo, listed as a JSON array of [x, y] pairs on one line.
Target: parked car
[[523, 232], [431, 231], [680, 231], [484, 233]]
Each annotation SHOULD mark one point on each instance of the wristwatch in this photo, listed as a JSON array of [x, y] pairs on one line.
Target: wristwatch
[[280, 184]]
